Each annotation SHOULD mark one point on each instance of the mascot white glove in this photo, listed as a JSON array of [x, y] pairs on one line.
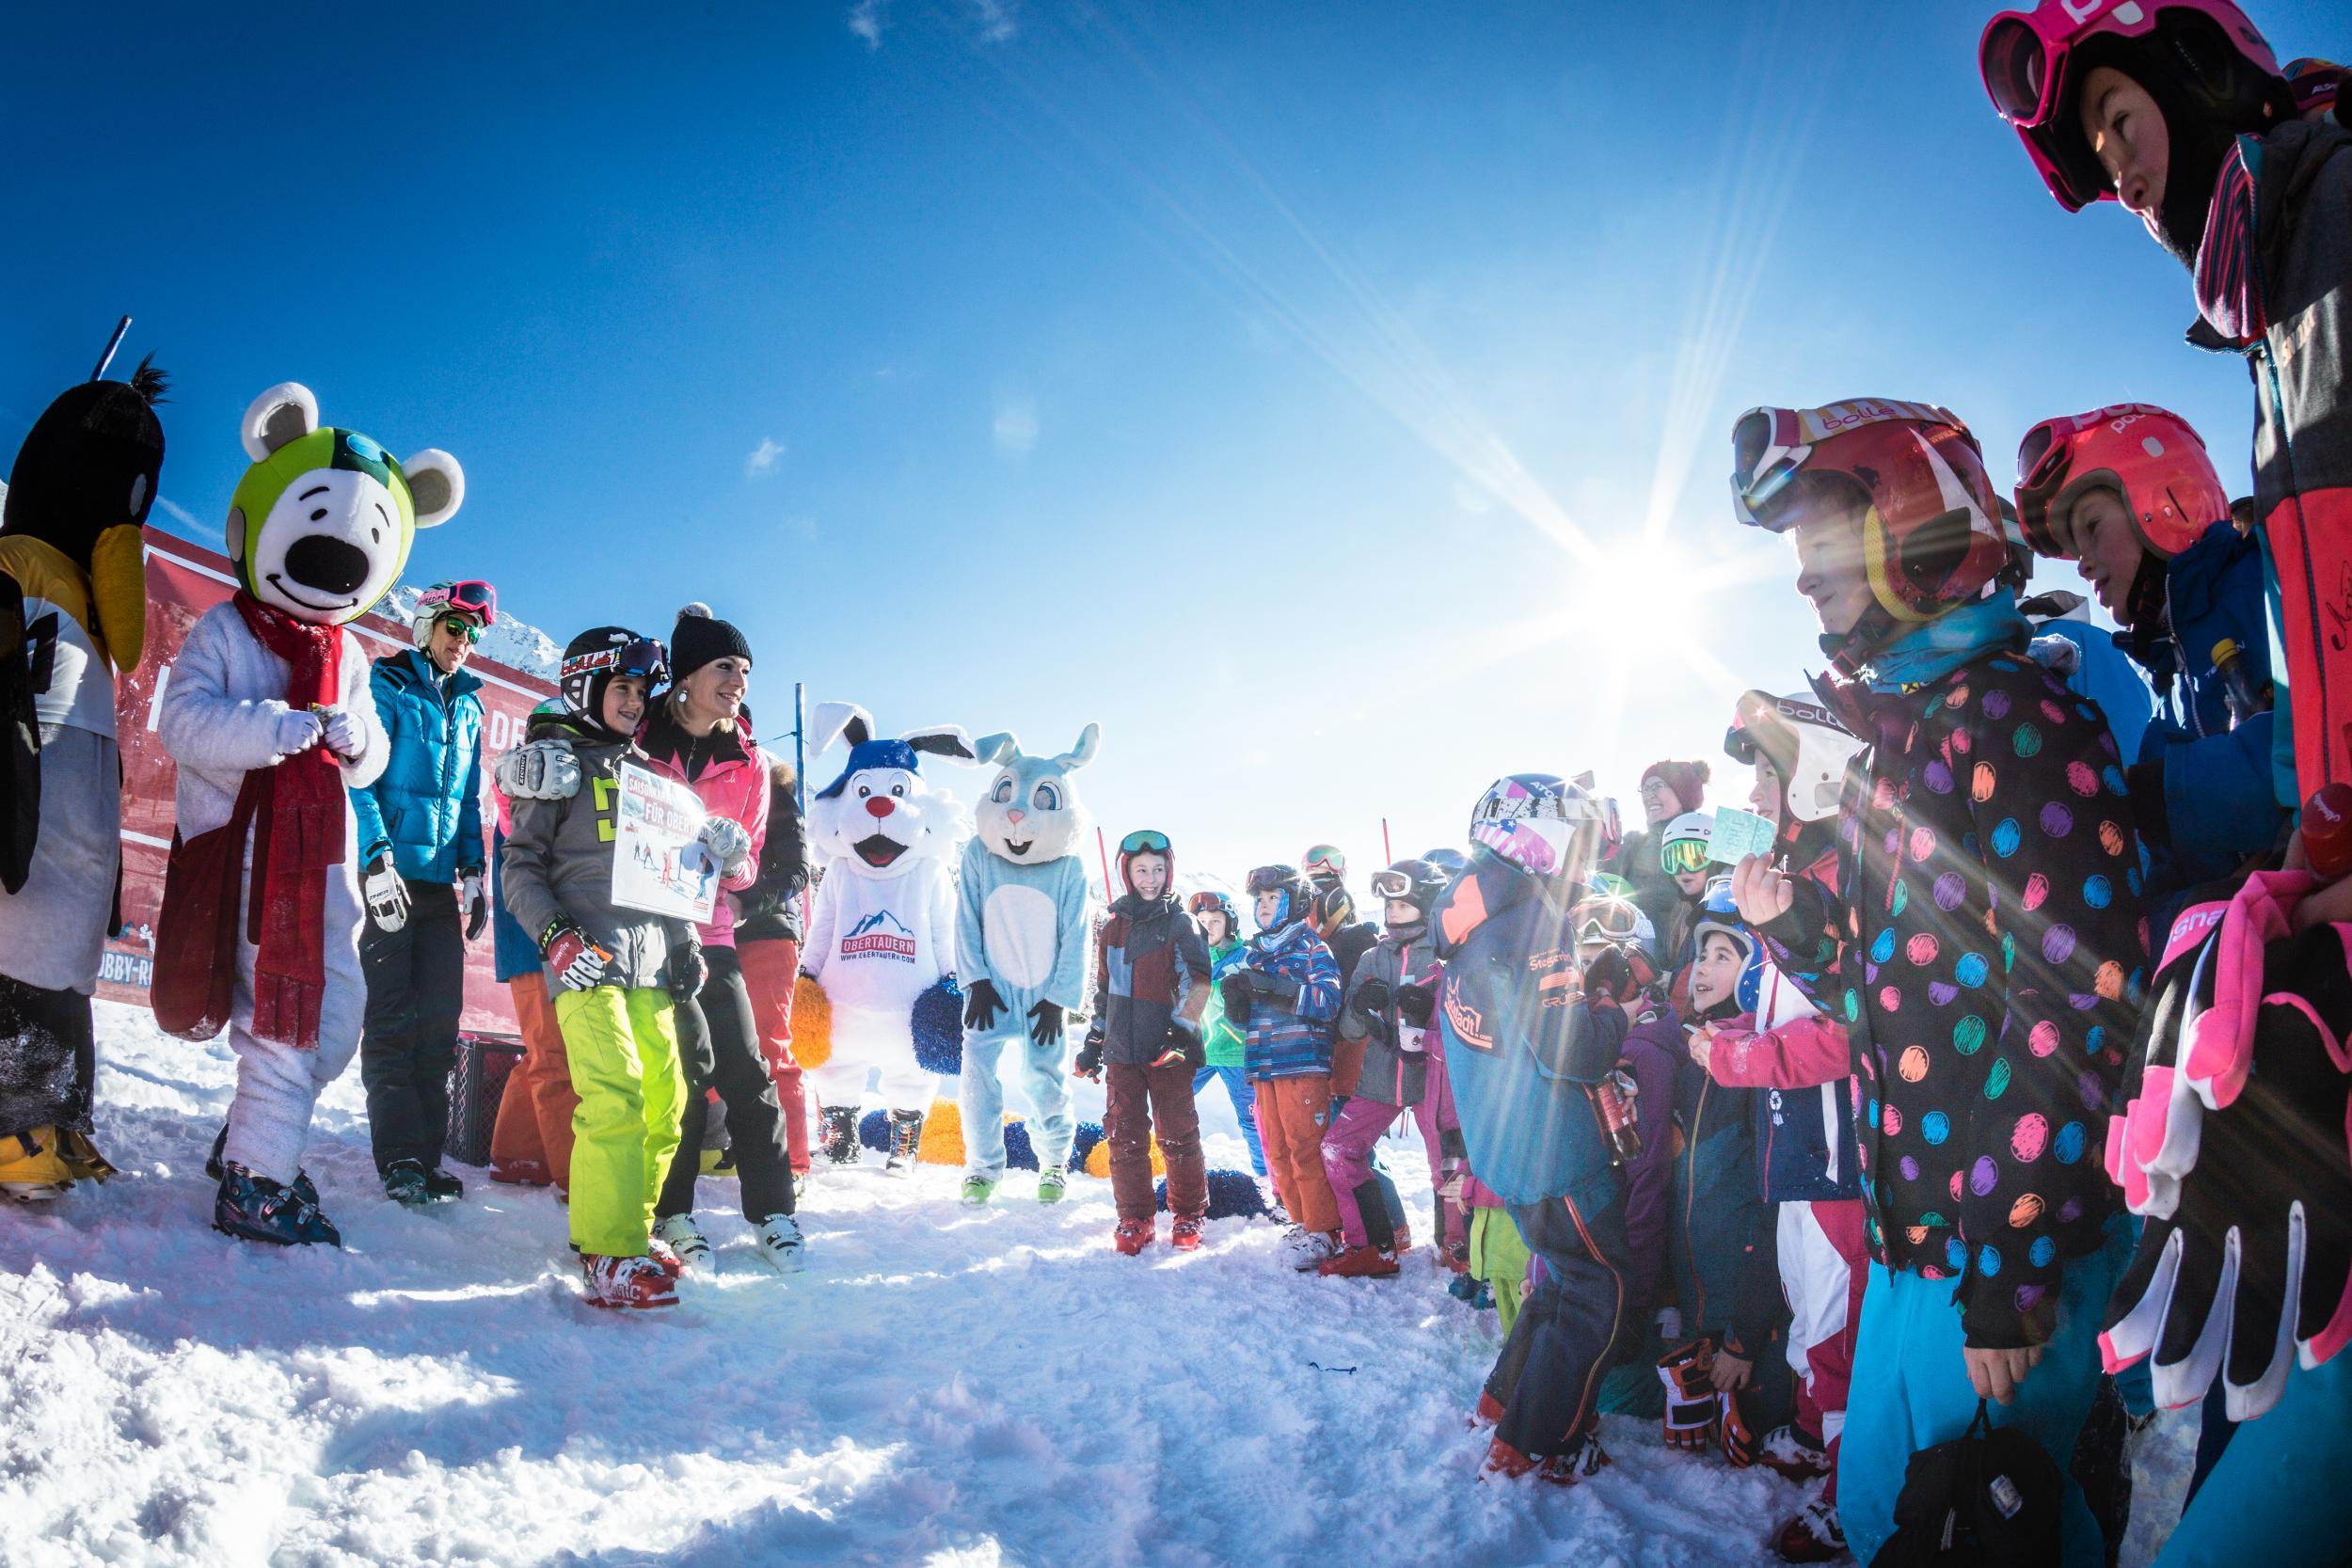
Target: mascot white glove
[[539, 771], [341, 733], [298, 730]]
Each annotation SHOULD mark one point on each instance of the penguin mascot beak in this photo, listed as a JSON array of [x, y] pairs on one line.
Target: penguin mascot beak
[[118, 580]]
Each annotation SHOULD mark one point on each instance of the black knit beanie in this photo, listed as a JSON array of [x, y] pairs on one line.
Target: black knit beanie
[[699, 638]]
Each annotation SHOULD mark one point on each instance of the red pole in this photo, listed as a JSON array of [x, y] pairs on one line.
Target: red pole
[[1385, 848], [1102, 846]]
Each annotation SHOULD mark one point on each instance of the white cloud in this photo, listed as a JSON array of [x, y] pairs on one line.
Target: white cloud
[[1016, 424], [762, 459], [187, 518], [995, 18], [865, 21]]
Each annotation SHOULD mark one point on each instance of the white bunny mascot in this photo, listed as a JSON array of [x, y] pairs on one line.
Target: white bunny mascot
[[1023, 938], [882, 927]]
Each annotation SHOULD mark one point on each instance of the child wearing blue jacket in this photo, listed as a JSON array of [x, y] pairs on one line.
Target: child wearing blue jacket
[[1529, 1035], [1285, 997]]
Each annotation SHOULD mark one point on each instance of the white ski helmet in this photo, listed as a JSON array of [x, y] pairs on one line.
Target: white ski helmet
[[1805, 744], [1683, 846]]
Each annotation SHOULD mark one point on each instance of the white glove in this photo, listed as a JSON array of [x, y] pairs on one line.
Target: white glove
[[474, 902], [298, 730], [539, 771], [1670, 1323], [729, 843], [387, 895], [341, 732]]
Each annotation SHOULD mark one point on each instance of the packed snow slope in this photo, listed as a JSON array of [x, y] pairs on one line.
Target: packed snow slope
[[941, 1386]]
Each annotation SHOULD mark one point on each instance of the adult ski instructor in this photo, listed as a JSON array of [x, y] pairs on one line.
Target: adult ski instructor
[[421, 836]]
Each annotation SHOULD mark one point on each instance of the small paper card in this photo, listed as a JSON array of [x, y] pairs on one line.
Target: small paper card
[[1739, 834], [660, 865]]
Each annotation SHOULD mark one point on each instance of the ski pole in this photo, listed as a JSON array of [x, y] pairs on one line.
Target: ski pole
[[1388, 852], [1102, 846]]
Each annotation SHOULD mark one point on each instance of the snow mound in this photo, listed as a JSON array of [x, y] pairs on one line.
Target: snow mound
[[943, 1385]]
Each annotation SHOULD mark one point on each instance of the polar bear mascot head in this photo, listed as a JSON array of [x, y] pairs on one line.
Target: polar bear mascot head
[[878, 818]]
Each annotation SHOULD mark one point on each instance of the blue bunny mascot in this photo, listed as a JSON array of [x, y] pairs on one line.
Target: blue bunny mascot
[[1021, 932], [73, 614], [882, 926], [271, 720]]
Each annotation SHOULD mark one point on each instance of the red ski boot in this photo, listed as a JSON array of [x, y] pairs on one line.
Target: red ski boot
[[1812, 1536], [1135, 1235], [1489, 1410], [626, 1281], [1565, 1469], [1504, 1463], [1184, 1236], [664, 1258], [1360, 1262]]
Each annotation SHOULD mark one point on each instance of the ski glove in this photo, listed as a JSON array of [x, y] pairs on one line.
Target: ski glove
[[578, 964], [1045, 1024], [387, 895], [1181, 1046], [1273, 989], [477, 904], [729, 843], [982, 1006], [1373, 998], [539, 771], [1739, 1440], [341, 732], [1234, 991], [683, 977], [1089, 1063], [1610, 975], [298, 730], [1417, 1005], [1691, 1404], [2236, 1152]]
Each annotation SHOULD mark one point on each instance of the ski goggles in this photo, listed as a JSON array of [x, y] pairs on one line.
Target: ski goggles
[[1682, 855], [1323, 860], [1393, 883], [1144, 840], [472, 597], [1210, 903], [1271, 878], [643, 660], [1612, 920], [1769, 447]]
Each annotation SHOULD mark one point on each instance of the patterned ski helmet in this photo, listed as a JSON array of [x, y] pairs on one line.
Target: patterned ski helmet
[[595, 656], [1540, 823]]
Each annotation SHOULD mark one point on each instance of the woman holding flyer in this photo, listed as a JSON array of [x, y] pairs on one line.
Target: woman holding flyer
[[696, 734]]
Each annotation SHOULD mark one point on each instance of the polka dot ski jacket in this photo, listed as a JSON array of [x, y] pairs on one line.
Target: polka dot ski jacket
[[1986, 952]]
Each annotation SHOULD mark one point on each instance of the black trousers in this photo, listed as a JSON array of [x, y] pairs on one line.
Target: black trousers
[[718, 1045], [47, 1061], [1548, 1377], [415, 994]]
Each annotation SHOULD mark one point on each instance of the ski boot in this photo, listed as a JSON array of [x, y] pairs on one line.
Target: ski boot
[[1813, 1536], [836, 1127], [442, 1187], [978, 1190], [1464, 1288], [626, 1281], [1132, 1236], [215, 1166], [406, 1184], [682, 1236], [1184, 1236], [255, 1208], [1308, 1252], [1585, 1459], [1504, 1463], [1051, 1185], [906, 1142], [658, 1251], [1488, 1411], [33, 1167], [1795, 1454], [1360, 1262], [782, 1244]]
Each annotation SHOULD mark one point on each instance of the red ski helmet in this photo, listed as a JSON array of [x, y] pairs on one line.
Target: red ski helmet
[[2031, 65], [2149, 456], [1931, 535]]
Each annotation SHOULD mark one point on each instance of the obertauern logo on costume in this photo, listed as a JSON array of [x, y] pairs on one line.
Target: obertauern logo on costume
[[880, 934]]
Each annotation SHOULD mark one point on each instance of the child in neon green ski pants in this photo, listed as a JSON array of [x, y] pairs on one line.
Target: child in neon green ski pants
[[1499, 1256], [623, 1049]]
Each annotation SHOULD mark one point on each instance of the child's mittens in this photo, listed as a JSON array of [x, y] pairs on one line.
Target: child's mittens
[[1372, 1000], [298, 730], [1089, 1063], [1417, 1005], [1235, 990]]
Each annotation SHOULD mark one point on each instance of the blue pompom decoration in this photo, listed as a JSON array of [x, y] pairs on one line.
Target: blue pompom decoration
[[1233, 1194], [1089, 1133], [1020, 1153], [939, 1029], [873, 1131]]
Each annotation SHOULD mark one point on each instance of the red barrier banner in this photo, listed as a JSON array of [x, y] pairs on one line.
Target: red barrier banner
[[184, 580]]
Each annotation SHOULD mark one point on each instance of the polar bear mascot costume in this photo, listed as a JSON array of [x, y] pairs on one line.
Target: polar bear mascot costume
[[882, 930], [1021, 937], [269, 716]]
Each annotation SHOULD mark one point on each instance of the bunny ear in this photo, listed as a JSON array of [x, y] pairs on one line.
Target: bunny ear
[[832, 721], [1001, 747], [1089, 742], [942, 740]]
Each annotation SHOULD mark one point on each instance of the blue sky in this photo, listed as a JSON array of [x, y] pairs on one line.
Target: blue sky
[[1330, 399]]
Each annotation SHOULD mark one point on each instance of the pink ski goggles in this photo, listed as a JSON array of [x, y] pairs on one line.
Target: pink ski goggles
[[472, 597]]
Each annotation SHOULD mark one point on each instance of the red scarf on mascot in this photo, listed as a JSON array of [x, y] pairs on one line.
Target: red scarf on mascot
[[299, 830]]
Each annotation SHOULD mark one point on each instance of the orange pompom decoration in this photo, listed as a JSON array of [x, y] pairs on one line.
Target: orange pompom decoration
[[812, 1023]]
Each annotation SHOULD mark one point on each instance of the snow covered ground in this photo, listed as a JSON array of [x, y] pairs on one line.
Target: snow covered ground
[[942, 1387]]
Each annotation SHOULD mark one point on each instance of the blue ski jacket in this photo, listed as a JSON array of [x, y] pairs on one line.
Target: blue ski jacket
[[425, 811]]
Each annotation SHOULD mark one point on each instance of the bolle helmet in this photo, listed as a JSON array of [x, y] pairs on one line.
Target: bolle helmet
[[2202, 54], [1542, 824], [1805, 744], [595, 656], [1932, 534], [1291, 882], [1683, 846], [2152, 457], [1413, 881]]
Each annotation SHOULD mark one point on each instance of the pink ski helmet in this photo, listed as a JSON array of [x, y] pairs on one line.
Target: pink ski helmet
[[2150, 455]]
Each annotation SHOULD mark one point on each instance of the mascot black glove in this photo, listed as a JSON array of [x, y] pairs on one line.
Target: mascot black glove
[[687, 970], [1044, 1023], [982, 1006], [2236, 1152], [1090, 1062]]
